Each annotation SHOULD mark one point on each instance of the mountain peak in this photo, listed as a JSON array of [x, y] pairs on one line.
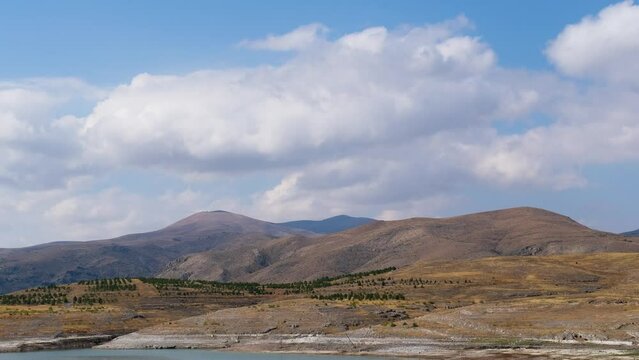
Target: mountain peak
[[208, 217], [225, 221], [523, 212], [219, 220]]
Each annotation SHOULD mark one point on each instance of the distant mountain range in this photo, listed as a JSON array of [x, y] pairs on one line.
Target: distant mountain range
[[631, 233], [331, 225], [133, 255], [219, 245], [519, 231]]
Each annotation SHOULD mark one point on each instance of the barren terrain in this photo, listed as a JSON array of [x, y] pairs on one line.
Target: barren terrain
[[575, 305]]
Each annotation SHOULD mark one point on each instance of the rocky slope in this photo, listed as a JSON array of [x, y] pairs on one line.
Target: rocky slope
[[519, 231], [578, 306], [136, 254], [224, 246]]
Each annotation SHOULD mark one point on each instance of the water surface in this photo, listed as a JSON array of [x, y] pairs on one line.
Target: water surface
[[90, 354]]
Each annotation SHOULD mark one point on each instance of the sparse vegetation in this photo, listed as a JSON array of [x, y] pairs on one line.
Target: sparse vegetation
[[361, 296], [302, 287], [178, 287], [47, 295], [115, 284], [514, 295]]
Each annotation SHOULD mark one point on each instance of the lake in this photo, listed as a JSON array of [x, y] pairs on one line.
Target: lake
[[90, 354]]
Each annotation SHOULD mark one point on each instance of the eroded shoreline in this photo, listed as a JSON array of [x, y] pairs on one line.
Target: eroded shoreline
[[376, 346], [340, 344], [62, 343]]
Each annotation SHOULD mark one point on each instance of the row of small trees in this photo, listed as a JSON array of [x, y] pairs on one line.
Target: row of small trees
[[208, 287], [115, 284], [420, 281], [88, 299], [117, 281], [309, 286], [34, 299], [361, 296]]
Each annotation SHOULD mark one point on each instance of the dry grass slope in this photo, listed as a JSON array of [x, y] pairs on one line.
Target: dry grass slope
[[511, 232]]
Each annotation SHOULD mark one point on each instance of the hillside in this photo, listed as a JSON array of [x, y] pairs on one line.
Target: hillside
[[224, 246], [631, 233], [427, 292], [331, 225], [133, 255], [510, 232], [577, 306], [498, 302]]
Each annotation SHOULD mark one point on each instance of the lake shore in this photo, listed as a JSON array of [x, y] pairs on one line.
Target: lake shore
[[339, 344], [375, 346], [61, 343]]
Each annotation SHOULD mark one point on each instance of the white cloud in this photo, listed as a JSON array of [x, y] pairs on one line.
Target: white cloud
[[298, 39], [605, 46], [38, 150], [113, 212], [77, 212], [386, 186], [325, 103], [351, 124], [370, 40], [380, 122]]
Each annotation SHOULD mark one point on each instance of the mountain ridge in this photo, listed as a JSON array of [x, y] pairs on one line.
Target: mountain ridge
[[631, 233], [219, 245], [521, 231], [329, 225], [140, 254]]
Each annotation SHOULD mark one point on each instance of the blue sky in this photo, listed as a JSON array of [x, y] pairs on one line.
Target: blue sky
[[111, 41], [123, 116]]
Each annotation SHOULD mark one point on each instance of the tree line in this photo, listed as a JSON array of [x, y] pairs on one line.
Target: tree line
[[115, 284], [309, 286], [361, 296]]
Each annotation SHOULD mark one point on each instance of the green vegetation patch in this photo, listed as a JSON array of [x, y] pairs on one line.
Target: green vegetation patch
[[302, 287], [361, 296], [191, 287], [46, 295]]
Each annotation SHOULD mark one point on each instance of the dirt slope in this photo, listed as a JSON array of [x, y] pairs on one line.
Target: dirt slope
[[132, 255], [518, 231], [584, 301]]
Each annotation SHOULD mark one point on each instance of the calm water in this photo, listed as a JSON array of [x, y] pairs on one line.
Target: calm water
[[90, 354]]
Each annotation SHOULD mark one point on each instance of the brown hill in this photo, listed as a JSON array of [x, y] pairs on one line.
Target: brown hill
[[518, 231], [133, 255], [547, 305]]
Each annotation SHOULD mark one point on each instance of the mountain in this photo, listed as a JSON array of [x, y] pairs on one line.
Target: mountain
[[136, 254], [631, 233], [518, 231], [219, 245], [331, 225]]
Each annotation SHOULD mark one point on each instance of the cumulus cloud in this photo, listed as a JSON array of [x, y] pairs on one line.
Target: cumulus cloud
[[112, 212], [39, 148], [372, 88], [416, 179], [597, 127], [382, 122], [298, 39], [371, 121], [78, 212], [604, 46]]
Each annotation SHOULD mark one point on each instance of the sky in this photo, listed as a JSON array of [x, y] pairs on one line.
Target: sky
[[125, 116]]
